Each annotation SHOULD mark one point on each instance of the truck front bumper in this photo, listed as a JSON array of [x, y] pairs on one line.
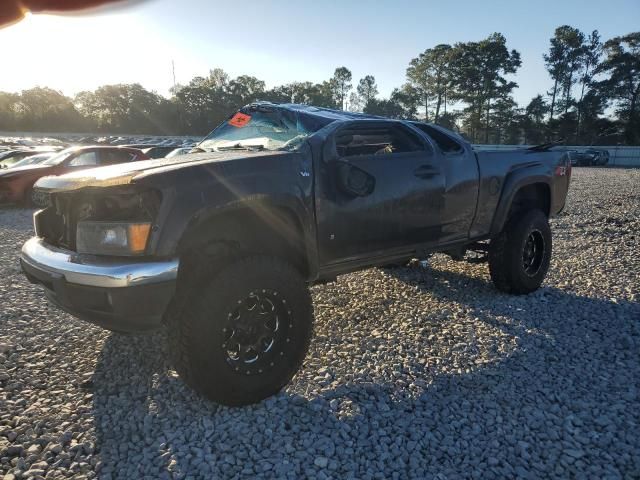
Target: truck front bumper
[[124, 295]]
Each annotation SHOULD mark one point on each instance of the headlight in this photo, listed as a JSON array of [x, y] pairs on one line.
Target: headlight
[[112, 238]]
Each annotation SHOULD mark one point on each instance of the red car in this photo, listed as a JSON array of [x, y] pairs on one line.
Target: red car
[[16, 184]]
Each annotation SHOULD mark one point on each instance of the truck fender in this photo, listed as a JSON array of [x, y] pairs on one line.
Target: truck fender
[[514, 183], [227, 223]]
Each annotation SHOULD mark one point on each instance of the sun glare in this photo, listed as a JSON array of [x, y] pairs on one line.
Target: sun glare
[[72, 53]]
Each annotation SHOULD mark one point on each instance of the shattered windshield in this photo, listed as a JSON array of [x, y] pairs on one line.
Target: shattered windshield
[[257, 128]]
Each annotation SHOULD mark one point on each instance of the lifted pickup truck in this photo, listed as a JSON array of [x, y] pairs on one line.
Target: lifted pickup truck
[[221, 244]]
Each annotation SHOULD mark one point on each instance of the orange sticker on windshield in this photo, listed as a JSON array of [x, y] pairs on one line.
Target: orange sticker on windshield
[[239, 120]]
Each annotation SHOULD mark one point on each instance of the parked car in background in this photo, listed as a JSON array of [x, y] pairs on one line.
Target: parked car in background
[[16, 184], [178, 151], [33, 159], [578, 159], [158, 151], [10, 158], [598, 156], [589, 157]]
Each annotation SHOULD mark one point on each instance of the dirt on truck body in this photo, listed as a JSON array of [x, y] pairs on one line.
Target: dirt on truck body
[[221, 244]]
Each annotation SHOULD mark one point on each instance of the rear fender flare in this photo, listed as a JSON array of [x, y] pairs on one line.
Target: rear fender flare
[[514, 182]]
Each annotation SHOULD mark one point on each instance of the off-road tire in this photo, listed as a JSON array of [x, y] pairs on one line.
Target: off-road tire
[[196, 336], [506, 253]]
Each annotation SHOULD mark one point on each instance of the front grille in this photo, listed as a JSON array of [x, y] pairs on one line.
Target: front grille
[[40, 199]]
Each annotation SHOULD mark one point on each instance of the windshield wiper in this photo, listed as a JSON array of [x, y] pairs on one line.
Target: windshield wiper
[[237, 146]]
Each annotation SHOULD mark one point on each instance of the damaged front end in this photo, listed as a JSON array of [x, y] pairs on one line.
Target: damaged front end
[[91, 220], [92, 255]]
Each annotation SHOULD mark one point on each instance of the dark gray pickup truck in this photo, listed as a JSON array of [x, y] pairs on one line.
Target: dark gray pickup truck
[[220, 244]]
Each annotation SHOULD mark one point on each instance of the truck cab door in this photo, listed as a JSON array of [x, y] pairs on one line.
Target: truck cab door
[[461, 176], [379, 191]]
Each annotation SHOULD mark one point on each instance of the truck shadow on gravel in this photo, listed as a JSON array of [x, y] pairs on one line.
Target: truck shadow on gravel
[[562, 402]]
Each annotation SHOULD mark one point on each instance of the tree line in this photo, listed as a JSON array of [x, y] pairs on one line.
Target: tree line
[[593, 96]]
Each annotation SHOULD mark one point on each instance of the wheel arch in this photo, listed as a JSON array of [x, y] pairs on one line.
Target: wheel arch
[[522, 192], [259, 227]]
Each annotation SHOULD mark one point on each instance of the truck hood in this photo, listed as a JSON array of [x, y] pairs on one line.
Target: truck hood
[[124, 173]]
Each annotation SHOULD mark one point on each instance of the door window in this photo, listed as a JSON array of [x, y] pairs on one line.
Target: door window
[[444, 142], [111, 157], [376, 140], [84, 159]]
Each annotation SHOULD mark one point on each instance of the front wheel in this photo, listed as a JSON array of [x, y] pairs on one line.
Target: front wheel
[[519, 256], [243, 336]]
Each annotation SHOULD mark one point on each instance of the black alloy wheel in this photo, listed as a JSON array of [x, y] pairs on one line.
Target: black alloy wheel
[[256, 332], [533, 253]]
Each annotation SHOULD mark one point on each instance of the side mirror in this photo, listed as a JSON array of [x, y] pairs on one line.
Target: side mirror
[[353, 180]]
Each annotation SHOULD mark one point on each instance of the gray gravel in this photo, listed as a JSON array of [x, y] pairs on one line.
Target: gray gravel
[[417, 372]]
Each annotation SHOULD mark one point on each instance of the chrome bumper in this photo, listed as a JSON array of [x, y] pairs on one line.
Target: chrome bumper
[[94, 271]]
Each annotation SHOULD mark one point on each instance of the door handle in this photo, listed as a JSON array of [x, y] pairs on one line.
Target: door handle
[[425, 171]]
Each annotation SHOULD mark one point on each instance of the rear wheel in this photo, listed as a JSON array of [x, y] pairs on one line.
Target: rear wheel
[[244, 335], [519, 257]]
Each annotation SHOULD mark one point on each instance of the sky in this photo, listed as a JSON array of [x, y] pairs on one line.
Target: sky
[[280, 41]]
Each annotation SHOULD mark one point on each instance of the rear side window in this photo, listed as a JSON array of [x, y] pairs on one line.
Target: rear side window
[[444, 142], [111, 157], [376, 140], [84, 159]]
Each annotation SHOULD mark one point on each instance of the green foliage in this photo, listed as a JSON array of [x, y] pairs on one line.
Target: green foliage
[[38, 109], [430, 75], [340, 85], [532, 121], [562, 61], [126, 108], [8, 113], [367, 90], [622, 87]]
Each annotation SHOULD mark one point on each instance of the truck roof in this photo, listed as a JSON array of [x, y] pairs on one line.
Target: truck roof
[[329, 115]]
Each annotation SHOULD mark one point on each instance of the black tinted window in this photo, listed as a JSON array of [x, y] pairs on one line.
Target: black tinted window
[[376, 140], [110, 157], [444, 142]]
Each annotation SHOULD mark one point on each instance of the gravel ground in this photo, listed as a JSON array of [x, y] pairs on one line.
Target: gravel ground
[[417, 372]]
